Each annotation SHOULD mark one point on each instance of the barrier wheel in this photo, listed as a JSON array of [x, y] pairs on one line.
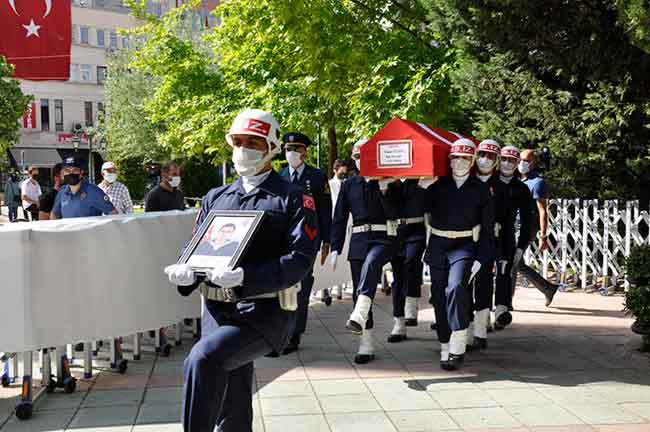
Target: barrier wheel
[[166, 350], [24, 410], [69, 385], [123, 366], [5, 381]]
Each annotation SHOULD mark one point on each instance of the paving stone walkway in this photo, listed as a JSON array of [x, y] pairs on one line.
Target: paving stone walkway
[[569, 368]]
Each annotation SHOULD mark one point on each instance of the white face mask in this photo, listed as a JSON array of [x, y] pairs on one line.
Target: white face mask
[[460, 167], [110, 177], [524, 167], [485, 165], [175, 181], [294, 158], [507, 168], [248, 162]]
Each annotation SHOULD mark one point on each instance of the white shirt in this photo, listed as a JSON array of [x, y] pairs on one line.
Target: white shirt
[[300, 169], [31, 189], [335, 188], [119, 196]]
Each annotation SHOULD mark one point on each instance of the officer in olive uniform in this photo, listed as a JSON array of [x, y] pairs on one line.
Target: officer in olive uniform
[[370, 245], [518, 201], [314, 183], [460, 215], [249, 310], [407, 263]]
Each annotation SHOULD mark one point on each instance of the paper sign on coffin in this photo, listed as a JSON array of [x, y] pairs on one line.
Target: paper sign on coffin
[[403, 148]]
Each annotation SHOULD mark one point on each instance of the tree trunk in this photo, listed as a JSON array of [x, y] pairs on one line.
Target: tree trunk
[[333, 150]]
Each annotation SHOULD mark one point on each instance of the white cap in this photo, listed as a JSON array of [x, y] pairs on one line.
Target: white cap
[[108, 165], [463, 147]]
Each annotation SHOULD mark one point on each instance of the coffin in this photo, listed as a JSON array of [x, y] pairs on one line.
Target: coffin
[[403, 148]]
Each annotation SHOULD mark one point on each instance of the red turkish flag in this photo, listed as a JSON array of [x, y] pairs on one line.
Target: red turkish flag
[[36, 37]]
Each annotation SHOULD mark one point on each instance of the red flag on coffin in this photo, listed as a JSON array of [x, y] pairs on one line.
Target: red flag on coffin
[[36, 37]]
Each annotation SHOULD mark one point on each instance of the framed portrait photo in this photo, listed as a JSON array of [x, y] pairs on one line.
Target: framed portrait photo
[[221, 240]]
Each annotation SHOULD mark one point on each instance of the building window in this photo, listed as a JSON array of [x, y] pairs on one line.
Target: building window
[[74, 72], [45, 115], [113, 37], [58, 115], [84, 72], [83, 35], [125, 42], [101, 74], [101, 38], [88, 113]]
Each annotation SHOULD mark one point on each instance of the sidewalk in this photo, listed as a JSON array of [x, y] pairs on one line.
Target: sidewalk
[[570, 368]]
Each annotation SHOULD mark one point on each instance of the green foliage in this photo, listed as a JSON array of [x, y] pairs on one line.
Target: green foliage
[[199, 176], [637, 264], [13, 104], [133, 175], [637, 297]]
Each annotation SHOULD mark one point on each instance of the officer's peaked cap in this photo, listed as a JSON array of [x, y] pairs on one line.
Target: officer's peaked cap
[[296, 138]]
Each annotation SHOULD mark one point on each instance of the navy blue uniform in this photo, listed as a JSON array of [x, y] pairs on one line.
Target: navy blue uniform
[[218, 372], [517, 200], [450, 260], [89, 201], [313, 182], [368, 251], [483, 285], [411, 241]]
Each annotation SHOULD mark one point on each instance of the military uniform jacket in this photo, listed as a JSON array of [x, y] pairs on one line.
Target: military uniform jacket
[[368, 205], [517, 200], [283, 250], [314, 182], [460, 209]]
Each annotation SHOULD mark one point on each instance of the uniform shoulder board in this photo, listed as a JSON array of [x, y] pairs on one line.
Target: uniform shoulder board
[[308, 202]]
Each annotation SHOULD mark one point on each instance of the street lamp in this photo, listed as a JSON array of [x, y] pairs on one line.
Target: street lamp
[[90, 133]]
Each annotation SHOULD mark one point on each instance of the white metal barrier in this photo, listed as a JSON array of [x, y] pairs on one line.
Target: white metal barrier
[[589, 240]]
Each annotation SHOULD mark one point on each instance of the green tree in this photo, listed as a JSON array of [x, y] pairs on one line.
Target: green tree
[[13, 104]]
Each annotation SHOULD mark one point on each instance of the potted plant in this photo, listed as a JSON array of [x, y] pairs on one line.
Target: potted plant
[[637, 297]]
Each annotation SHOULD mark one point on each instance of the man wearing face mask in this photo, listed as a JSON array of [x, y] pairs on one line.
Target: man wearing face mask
[[30, 192], [539, 190], [116, 191], [461, 218], [340, 169], [166, 196], [77, 197], [249, 310], [313, 183], [518, 203], [46, 202], [370, 248], [482, 289]]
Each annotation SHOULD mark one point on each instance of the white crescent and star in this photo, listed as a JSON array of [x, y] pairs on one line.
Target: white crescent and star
[[48, 7], [32, 29]]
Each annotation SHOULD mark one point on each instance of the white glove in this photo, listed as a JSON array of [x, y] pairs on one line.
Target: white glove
[[180, 274], [226, 277], [425, 182], [475, 269], [502, 264], [383, 184], [333, 257], [519, 253]]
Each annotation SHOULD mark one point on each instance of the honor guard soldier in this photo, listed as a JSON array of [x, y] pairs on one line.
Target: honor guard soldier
[[461, 218], [518, 202], [407, 263], [482, 289], [370, 248], [313, 183], [248, 310]]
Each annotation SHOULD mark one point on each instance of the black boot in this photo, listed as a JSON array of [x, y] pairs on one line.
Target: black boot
[[354, 327], [502, 321], [479, 344], [292, 346], [411, 322], [363, 358], [394, 338], [547, 288]]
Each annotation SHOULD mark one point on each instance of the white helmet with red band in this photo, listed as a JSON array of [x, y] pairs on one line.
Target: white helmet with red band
[[259, 123], [463, 147], [489, 146], [511, 152], [356, 148]]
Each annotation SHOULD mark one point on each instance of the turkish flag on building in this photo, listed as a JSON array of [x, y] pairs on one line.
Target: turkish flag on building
[[29, 118], [36, 37]]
